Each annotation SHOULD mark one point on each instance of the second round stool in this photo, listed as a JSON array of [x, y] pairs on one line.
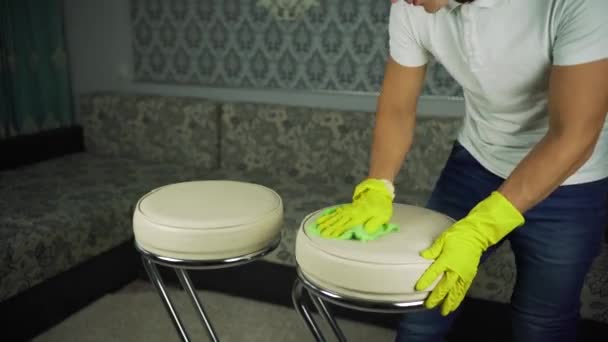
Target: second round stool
[[374, 276]]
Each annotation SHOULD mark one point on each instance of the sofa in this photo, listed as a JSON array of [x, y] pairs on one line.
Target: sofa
[[59, 213]]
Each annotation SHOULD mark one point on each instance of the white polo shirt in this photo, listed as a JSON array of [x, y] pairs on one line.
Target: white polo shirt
[[501, 53]]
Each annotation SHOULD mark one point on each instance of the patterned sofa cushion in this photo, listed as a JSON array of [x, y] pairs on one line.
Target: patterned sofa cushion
[[152, 128], [433, 141], [305, 143], [324, 146], [58, 213]]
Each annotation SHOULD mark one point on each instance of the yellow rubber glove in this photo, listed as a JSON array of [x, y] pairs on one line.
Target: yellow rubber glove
[[372, 207], [457, 251]]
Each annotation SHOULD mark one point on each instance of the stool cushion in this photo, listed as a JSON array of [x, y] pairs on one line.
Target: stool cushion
[[384, 270], [207, 220]]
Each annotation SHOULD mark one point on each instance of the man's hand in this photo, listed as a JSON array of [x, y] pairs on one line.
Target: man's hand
[[458, 249], [372, 207]]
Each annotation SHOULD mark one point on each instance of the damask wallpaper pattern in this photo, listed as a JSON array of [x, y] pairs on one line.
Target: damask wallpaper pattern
[[334, 46]]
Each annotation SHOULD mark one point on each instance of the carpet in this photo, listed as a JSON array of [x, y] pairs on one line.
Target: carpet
[[137, 314]]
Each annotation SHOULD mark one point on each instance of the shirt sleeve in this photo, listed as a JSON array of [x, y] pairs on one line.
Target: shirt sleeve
[[403, 46], [581, 33]]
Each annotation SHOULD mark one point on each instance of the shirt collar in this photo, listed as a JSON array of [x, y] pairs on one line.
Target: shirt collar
[[452, 4]]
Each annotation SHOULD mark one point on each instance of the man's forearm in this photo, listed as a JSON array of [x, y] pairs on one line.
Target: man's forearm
[[555, 158], [392, 139]]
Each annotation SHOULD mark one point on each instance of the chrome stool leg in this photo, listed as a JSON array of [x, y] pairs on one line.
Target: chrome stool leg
[[191, 291], [160, 287], [322, 297], [326, 314], [297, 296]]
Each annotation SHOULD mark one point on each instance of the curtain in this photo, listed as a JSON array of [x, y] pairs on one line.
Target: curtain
[[35, 92]]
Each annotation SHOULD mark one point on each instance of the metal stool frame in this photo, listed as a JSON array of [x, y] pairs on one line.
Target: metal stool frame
[[320, 297], [181, 267]]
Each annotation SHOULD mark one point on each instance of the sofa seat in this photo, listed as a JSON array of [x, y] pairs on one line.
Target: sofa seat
[[59, 213]]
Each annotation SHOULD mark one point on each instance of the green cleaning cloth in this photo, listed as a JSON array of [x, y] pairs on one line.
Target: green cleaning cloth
[[357, 232]]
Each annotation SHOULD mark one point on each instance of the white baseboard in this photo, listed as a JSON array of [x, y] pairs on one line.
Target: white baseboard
[[428, 106]]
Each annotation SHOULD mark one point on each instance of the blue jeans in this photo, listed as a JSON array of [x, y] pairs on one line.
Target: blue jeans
[[553, 252]]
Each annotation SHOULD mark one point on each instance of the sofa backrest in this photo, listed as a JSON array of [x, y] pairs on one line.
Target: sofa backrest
[[324, 145], [433, 141], [152, 128]]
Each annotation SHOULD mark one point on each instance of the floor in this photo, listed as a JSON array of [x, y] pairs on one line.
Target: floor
[[135, 313]]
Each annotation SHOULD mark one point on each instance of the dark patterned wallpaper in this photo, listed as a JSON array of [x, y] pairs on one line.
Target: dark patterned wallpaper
[[335, 46]]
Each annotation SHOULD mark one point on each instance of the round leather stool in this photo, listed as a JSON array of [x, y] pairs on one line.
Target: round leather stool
[[204, 225], [374, 276]]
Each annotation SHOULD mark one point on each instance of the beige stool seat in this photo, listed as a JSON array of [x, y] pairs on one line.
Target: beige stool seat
[[384, 270], [207, 220]]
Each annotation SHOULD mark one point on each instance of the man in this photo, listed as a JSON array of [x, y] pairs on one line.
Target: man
[[530, 163]]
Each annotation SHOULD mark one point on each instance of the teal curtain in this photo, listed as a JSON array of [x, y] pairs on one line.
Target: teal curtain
[[34, 75]]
